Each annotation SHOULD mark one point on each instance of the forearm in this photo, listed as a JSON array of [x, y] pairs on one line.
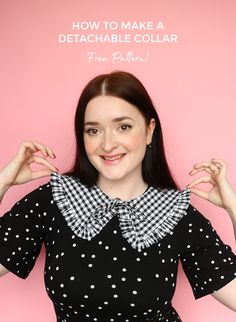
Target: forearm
[[232, 214], [3, 190]]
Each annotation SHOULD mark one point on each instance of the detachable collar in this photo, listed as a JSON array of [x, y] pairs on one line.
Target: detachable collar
[[143, 220]]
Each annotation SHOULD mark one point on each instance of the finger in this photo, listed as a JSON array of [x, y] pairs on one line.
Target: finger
[[41, 173], [199, 193], [203, 165], [219, 166], [46, 150], [223, 167], [42, 161], [219, 162], [200, 180], [195, 171], [35, 147], [21, 153], [212, 170]]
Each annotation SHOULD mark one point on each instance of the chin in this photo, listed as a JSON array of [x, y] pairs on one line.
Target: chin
[[112, 176]]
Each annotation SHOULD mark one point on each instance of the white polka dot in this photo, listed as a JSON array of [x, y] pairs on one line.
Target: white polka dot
[[72, 278], [92, 286], [109, 276]]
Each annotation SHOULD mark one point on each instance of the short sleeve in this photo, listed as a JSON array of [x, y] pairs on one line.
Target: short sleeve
[[208, 263], [22, 233]]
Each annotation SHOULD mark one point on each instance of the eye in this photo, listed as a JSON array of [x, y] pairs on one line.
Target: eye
[[92, 131], [125, 127]]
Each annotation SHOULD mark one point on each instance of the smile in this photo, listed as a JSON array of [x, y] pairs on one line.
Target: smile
[[111, 159]]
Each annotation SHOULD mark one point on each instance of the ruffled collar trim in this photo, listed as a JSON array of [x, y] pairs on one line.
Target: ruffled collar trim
[[143, 220]]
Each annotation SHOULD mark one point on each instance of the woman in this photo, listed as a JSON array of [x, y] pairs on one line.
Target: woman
[[116, 225]]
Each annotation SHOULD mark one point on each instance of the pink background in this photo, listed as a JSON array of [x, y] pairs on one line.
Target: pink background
[[192, 84]]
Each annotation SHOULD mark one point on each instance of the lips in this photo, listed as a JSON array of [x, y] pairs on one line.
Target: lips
[[112, 157]]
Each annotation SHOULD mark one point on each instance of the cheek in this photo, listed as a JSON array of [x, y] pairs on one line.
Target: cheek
[[136, 142], [89, 145]]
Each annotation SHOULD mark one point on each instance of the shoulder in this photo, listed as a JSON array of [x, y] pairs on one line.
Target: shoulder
[[195, 216], [195, 227], [40, 197]]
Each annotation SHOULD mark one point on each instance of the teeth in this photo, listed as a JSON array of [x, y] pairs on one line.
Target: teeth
[[113, 158]]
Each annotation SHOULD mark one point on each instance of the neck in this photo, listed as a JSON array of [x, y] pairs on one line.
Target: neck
[[122, 189]]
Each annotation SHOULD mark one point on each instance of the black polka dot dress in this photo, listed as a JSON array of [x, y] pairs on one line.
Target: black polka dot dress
[[109, 260]]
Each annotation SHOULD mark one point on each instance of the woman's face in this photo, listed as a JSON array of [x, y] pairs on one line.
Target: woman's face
[[115, 138]]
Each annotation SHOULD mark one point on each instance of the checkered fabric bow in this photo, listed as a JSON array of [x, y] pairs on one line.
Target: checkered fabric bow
[[143, 221]]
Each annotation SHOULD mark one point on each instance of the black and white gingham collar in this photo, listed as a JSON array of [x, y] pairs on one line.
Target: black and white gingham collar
[[143, 220]]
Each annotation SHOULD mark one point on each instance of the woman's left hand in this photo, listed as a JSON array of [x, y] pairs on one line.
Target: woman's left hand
[[221, 194]]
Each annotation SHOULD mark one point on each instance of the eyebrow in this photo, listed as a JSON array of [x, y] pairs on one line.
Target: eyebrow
[[115, 120]]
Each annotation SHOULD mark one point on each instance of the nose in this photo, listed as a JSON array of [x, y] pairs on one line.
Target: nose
[[109, 142]]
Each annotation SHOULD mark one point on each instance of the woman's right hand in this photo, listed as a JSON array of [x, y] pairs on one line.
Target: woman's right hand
[[18, 171]]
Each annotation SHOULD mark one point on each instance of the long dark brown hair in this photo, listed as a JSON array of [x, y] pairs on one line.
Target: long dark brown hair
[[155, 170]]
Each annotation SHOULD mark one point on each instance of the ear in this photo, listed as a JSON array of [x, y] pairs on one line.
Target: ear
[[150, 130]]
